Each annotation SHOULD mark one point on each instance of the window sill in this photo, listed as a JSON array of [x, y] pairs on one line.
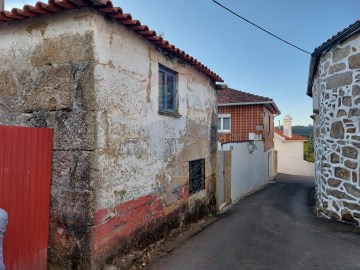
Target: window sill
[[224, 132], [172, 114]]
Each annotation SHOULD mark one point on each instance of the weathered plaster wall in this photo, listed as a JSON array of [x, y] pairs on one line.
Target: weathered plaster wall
[[142, 157], [120, 169], [46, 70], [336, 101]]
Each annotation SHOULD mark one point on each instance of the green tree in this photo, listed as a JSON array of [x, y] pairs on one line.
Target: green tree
[[309, 150]]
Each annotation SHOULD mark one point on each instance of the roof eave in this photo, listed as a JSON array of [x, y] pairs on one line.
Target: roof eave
[[106, 8], [268, 104], [245, 103], [315, 56], [273, 108]]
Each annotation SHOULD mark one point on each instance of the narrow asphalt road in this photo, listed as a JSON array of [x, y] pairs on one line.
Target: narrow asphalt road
[[274, 228]]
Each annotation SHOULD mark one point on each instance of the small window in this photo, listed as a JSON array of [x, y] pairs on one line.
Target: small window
[[167, 90], [224, 123], [196, 175]]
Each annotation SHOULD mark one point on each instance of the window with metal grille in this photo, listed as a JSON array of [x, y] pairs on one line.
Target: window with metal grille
[[196, 175]]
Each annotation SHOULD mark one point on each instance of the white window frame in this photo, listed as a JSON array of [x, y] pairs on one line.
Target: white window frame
[[222, 116]]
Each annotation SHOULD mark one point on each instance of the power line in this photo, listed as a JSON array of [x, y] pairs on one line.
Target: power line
[[257, 26]]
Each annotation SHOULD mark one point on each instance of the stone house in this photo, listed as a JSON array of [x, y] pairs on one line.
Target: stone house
[[133, 118], [334, 85], [244, 116], [289, 149]]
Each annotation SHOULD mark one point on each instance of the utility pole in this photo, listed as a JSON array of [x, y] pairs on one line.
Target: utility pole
[[2, 5]]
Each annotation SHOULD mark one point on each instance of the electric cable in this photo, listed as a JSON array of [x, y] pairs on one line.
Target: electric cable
[[259, 27]]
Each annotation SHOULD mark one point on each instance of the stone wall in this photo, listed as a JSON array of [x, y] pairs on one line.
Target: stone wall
[[336, 102]]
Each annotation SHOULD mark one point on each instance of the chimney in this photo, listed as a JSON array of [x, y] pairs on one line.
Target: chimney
[[287, 126], [2, 5]]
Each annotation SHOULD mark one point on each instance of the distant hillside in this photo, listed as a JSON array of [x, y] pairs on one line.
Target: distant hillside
[[305, 131]]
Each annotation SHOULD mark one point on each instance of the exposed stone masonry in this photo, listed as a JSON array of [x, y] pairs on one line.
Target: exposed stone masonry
[[336, 96]]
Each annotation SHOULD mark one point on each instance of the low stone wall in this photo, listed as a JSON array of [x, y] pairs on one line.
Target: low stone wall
[[336, 97]]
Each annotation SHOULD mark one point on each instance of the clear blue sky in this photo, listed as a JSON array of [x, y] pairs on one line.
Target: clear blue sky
[[246, 58]]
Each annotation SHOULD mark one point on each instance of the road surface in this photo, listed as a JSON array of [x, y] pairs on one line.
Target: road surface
[[274, 228]]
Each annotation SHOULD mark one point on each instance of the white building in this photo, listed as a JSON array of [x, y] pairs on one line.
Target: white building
[[290, 151]]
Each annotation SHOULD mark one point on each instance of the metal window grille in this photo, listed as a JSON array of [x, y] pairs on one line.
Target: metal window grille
[[196, 175]]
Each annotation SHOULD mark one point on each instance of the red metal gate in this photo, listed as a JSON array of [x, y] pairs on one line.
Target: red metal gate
[[25, 182]]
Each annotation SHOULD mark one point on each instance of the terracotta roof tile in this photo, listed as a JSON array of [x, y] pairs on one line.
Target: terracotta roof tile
[[293, 138], [234, 96], [106, 8]]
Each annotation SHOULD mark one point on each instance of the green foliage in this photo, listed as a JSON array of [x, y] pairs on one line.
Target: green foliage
[[309, 150], [305, 131]]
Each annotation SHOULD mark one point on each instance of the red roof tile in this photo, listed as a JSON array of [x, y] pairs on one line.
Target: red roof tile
[[234, 96], [229, 96], [293, 138], [106, 8]]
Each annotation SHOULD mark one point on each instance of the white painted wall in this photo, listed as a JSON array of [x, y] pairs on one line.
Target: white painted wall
[[249, 171], [291, 157]]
